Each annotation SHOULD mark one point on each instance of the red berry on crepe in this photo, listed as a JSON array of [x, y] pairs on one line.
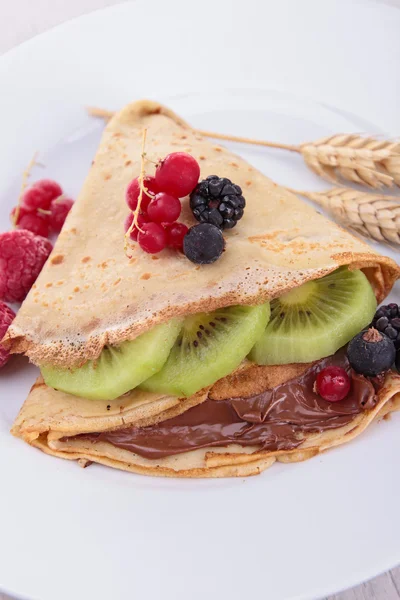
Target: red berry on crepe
[[133, 191], [178, 174], [164, 208], [333, 384], [153, 238], [175, 234], [41, 194], [59, 210], [142, 219]]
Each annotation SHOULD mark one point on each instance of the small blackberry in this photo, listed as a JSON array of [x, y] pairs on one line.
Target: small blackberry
[[387, 320], [218, 201]]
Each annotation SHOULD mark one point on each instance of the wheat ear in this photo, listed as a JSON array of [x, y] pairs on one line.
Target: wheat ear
[[373, 215]]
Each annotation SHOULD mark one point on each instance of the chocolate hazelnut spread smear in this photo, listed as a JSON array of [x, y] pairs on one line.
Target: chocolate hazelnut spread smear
[[276, 419]]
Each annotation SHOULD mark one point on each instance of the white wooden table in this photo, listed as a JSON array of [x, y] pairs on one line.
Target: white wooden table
[[22, 19]]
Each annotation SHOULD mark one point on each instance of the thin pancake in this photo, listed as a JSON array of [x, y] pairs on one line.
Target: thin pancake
[[90, 294], [232, 460]]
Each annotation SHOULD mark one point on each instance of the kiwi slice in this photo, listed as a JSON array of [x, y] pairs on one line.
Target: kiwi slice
[[209, 346], [118, 369], [316, 319]]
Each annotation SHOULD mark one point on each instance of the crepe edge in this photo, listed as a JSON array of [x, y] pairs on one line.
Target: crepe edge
[[382, 272], [234, 464]]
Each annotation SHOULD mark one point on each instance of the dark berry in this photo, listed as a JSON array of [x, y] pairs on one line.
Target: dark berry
[[333, 384], [395, 322], [391, 332], [382, 323], [175, 234], [218, 201], [152, 238], [383, 311], [164, 208], [203, 244], [371, 352], [393, 309], [177, 174]]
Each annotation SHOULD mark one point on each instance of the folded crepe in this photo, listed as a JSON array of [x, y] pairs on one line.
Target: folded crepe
[[90, 295]]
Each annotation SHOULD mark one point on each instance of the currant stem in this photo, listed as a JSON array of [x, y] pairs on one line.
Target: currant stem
[[25, 177], [142, 190]]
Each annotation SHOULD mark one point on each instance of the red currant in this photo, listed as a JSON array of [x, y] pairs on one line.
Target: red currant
[[59, 211], [164, 208], [175, 234], [153, 238], [133, 191], [142, 219], [333, 384], [150, 184], [41, 194], [38, 224], [21, 213], [178, 174]]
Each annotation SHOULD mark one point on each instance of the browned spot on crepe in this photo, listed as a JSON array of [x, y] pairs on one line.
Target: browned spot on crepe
[[116, 282], [146, 276], [128, 162], [49, 284], [57, 260], [76, 289], [86, 259]]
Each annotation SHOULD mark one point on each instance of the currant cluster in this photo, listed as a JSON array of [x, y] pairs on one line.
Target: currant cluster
[[176, 176], [43, 208]]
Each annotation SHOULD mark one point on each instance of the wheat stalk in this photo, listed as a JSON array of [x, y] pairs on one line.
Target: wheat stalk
[[373, 215], [360, 159], [364, 160]]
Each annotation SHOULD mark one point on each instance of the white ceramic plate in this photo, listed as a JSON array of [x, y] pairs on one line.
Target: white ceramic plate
[[290, 71]]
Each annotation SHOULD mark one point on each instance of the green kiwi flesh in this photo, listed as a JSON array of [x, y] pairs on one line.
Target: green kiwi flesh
[[209, 347], [316, 319], [118, 369]]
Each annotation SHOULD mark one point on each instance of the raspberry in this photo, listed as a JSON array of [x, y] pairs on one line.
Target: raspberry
[[6, 318], [22, 256], [36, 223], [41, 194], [59, 210]]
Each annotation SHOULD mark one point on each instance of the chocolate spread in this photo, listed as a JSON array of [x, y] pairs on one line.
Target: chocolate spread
[[276, 419]]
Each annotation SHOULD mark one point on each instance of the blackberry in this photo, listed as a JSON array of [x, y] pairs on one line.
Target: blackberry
[[387, 320], [371, 352], [218, 201]]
